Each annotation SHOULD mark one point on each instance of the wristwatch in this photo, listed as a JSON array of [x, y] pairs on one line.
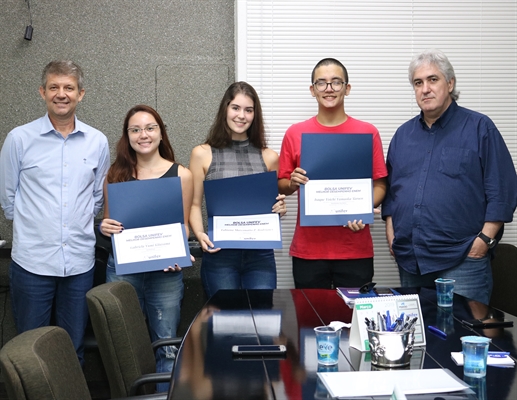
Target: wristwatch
[[488, 240]]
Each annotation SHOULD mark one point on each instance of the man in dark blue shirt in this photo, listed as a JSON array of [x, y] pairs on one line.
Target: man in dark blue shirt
[[451, 186]]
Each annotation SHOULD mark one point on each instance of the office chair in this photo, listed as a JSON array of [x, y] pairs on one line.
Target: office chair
[[123, 339], [41, 364], [504, 273]]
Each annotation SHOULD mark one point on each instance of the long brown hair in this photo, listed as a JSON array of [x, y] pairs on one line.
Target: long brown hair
[[124, 166], [220, 134]]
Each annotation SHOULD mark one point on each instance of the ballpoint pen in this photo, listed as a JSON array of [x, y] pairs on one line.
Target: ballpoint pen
[[437, 332], [388, 320], [498, 354]]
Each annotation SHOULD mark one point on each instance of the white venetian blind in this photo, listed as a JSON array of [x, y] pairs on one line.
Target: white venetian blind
[[279, 42]]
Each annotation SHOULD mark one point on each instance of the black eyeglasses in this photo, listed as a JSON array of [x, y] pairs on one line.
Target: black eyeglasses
[[335, 85]]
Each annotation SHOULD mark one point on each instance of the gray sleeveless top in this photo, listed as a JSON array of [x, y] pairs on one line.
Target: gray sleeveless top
[[239, 159]]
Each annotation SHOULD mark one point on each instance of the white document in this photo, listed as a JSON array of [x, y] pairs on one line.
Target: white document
[[260, 227], [382, 383], [496, 361], [338, 197], [150, 243]]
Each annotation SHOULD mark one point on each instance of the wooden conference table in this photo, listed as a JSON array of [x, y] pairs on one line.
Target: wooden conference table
[[205, 368]]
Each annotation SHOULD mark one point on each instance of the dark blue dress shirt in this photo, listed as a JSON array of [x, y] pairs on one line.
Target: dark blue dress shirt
[[444, 182]]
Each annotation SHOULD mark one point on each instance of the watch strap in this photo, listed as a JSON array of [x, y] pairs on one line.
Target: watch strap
[[488, 240]]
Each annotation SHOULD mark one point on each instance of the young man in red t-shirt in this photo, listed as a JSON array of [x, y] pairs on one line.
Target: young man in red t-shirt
[[330, 256]]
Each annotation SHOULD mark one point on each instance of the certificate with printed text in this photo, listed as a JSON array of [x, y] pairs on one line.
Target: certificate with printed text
[[340, 196], [150, 243], [154, 235], [262, 227], [240, 212], [339, 168]]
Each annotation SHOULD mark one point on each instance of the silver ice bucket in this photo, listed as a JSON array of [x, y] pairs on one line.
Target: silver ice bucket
[[391, 349]]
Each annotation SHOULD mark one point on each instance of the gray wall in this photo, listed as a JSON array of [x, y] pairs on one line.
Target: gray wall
[[175, 55]]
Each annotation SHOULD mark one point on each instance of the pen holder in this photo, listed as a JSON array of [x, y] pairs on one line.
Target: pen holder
[[391, 349]]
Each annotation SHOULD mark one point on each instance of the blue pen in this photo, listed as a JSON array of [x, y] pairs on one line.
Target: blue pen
[[437, 332], [388, 320], [498, 354]]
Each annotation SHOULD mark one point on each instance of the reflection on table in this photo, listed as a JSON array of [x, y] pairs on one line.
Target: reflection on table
[[206, 369]]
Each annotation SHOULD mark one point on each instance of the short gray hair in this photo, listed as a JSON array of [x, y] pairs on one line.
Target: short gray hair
[[438, 58], [63, 67]]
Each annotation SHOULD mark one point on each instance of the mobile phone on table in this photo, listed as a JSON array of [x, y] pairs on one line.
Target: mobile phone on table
[[487, 323], [383, 291], [259, 350]]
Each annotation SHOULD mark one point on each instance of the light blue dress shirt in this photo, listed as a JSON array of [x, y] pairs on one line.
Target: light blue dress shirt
[[52, 188]]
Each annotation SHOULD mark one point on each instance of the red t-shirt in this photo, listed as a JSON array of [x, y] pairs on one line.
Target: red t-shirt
[[329, 242]]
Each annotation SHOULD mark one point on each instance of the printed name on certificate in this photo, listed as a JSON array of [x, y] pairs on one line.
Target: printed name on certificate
[[150, 243], [260, 227], [338, 197]]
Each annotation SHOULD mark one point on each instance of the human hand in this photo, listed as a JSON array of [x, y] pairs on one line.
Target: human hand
[[390, 234], [298, 177], [176, 268], [280, 207], [390, 243], [206, 245], [355, 225], [110, 226], [478, 249]]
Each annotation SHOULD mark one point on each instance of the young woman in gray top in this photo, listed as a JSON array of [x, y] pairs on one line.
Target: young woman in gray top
[[235, 146]]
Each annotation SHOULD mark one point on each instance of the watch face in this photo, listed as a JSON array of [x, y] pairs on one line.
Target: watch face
[[491, 243]]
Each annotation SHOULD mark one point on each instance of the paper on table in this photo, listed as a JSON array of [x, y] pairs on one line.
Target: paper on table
[[499, 361], [411, 381]]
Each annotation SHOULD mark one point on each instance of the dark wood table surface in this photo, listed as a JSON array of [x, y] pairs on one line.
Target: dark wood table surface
[[206, 369]]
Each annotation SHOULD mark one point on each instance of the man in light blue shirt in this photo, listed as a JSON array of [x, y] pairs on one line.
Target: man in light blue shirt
[[51, 178]]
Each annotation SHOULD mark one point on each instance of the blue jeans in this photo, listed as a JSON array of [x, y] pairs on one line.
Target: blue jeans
[[160, 295], [32, 297], [473, 278], [238, 269]]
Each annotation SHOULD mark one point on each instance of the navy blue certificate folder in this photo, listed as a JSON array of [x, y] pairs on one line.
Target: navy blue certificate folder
[[335, 157], [146, 203], [240, 196]]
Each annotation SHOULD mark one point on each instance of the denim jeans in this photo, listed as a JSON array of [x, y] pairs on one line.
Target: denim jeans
[[32, 297], [238, 269], [160, 295], [473, 278]]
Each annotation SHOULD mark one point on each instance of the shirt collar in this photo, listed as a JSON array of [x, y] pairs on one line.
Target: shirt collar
[[47, 127], [444, 118]]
